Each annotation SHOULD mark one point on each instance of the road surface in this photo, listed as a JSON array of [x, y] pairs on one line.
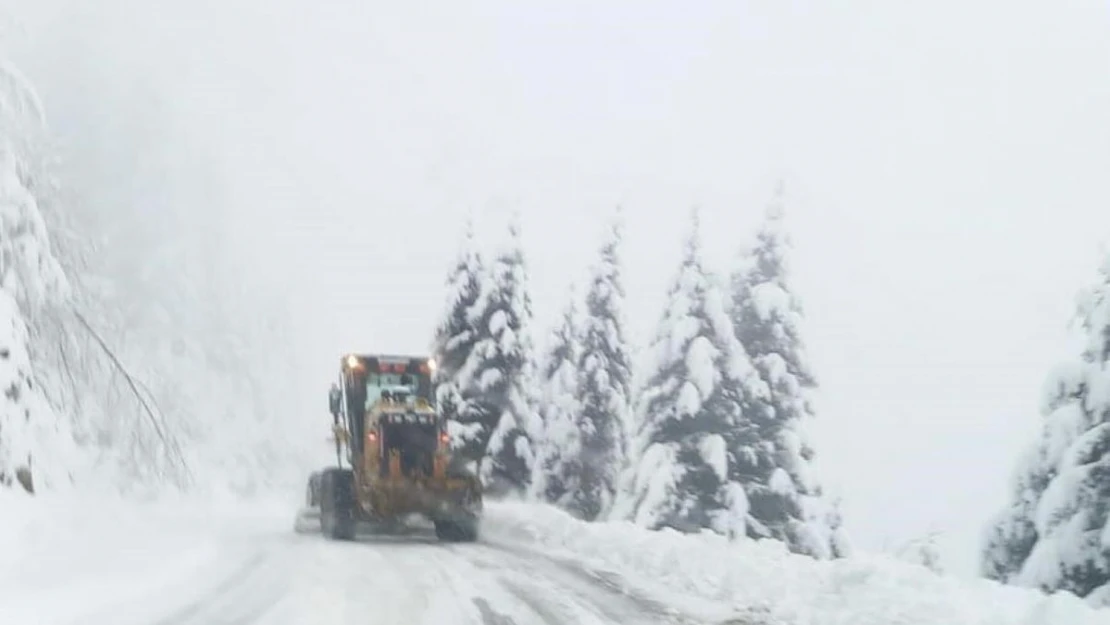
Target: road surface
[[298, 579]]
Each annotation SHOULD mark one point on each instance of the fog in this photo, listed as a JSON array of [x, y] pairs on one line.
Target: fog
[[944, 165]]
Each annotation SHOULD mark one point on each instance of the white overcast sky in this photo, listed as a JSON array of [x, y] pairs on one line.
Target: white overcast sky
[[946, 166]]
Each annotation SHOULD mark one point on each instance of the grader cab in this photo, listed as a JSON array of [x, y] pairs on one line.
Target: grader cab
[[393, 458]]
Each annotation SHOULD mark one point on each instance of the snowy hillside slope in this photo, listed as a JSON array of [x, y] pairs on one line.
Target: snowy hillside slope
[[762, 583]]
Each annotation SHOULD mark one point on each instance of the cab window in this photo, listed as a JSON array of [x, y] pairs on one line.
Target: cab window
[[377, 383]]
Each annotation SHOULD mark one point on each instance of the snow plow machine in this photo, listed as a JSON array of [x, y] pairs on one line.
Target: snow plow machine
[[393, 460]]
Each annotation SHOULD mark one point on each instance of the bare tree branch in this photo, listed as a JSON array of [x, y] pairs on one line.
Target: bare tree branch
[[168, 441]]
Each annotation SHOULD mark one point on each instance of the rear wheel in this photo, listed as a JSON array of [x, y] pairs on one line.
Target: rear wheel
[[337, 504], [457, 530], [462, 524]]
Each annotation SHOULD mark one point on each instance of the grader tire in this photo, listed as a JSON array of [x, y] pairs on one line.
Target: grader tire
[[337, 504], [457, 531]]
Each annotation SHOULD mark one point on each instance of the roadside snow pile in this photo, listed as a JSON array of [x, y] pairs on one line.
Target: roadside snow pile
[[66, 559], [763, 583]]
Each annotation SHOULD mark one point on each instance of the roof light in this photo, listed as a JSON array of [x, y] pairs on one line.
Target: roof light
[[432, 364], [353, 362]]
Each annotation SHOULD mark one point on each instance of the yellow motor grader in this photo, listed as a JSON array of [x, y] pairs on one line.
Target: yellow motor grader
[[393, 458]]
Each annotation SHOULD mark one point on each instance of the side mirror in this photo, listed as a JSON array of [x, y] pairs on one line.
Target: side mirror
[[334, 397]]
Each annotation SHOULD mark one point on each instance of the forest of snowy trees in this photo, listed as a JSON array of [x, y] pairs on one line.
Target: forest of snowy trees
[[713, 439]]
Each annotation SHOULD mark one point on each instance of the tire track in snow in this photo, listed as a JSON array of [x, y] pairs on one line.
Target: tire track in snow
[[239, 588], [470, 592], [241, 598], [563, 593], [489, 615], [607, 588], [370, 580], [464, 590]]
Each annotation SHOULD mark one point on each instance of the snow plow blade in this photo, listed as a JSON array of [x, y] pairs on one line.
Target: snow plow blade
[[307, 520]]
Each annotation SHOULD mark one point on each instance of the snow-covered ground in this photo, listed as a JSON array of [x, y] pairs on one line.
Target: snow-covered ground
[[68, 561]]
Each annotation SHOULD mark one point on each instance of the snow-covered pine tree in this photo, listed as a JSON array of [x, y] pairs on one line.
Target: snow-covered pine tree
[[558, 446], [34, 442], [604, 380], [1055, 533], [774, 457], [691, 402], [453, 343], [1012, 533], [502, 365]]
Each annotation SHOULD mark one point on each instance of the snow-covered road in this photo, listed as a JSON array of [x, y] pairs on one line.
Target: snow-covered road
[[68, 561], [184, 564], [413, 580]]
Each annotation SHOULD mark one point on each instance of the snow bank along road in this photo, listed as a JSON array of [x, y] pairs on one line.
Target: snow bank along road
[[67, 563]]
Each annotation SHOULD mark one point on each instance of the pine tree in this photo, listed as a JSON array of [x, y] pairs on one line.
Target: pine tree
[[453, 344], [604, 379], [774, 456], [502, 366], [1055, 533], [692, 401], [558, 447], [33, 440], [1012, 533]]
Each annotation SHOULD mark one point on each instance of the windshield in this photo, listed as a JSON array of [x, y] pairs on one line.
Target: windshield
[[396, 384]]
